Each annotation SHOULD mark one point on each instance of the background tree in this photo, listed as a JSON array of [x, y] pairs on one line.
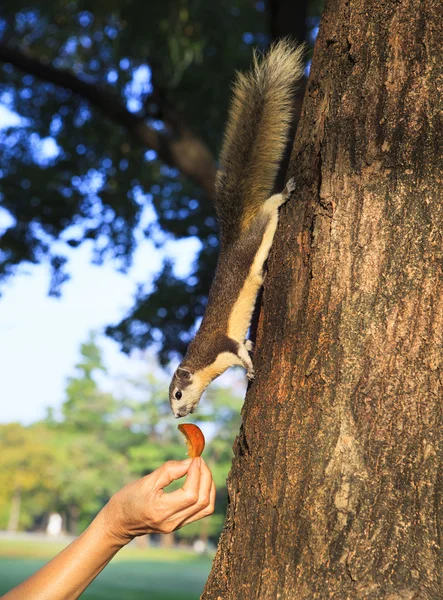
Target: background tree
[[87, 408], [87, 472], [336, 486], [75, 460], [122, 108], [25, 475], [116, 101]]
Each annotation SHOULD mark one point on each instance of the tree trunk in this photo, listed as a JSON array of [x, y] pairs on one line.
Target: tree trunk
[[204, 531], [167, 540], [336, 489], [14, 514], [73, 517], [143, 541]]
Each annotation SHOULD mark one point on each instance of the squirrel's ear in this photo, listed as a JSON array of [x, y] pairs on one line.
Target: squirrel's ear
[[183, 374]]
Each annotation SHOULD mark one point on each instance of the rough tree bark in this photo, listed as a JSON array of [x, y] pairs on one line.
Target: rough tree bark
[[336, 489]]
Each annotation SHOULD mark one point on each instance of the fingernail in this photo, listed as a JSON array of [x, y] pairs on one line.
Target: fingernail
[[187, 461]]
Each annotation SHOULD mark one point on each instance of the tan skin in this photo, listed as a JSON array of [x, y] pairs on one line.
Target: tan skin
[[139, 508]]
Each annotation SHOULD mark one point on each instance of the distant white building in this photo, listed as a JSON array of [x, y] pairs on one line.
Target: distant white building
[[55, 523]]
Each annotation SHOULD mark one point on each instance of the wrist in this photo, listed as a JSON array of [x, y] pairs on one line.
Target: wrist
[[109, 527]]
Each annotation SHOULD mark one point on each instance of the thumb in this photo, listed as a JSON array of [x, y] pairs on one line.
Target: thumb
[[170, 471]]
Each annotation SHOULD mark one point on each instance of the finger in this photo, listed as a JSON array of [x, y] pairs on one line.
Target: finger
[[188, 495], [206, 495], [192, 482], [204, 512], [205, 483], [203, 497], [170, 471]]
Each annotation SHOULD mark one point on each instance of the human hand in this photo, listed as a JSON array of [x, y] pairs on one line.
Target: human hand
[[143, 507]]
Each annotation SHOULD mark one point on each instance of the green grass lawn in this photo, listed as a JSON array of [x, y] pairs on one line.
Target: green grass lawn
[[134, 574]]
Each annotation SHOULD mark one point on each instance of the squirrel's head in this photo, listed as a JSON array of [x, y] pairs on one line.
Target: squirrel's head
[[185, 392]]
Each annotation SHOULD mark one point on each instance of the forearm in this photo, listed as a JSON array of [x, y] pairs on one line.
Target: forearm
[[139, 508], [67, 575]]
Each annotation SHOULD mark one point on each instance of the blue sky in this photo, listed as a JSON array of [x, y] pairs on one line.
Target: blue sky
[[40, 336]]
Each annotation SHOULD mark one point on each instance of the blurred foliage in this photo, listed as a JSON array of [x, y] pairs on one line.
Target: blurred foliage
[[26, 471], [70, 175], [73, 464]]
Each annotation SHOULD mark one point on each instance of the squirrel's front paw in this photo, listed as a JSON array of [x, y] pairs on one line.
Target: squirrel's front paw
[[250, 375]]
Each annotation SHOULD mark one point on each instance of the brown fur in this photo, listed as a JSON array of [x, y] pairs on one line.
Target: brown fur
[[220, 341], [255, 137], [241, 314], [255, 140]]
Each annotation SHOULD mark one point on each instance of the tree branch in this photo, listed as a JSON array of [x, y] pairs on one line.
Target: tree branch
[[187, 153]]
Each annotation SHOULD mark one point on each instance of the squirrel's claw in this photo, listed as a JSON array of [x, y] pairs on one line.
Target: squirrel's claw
[[290, 186]]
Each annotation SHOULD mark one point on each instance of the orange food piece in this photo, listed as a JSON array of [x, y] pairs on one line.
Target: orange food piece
[[195, 440]]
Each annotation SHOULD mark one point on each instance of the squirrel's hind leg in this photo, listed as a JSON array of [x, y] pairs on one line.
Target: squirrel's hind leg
[[277, 200], [289, 188], [249, 345]]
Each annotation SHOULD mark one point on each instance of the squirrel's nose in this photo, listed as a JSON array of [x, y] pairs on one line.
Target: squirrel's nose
[[183, 412]]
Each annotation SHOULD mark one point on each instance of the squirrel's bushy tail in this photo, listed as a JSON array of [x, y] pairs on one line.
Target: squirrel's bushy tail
[[256, 134]]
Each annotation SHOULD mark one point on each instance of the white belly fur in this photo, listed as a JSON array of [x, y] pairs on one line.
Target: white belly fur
[[241, 315]]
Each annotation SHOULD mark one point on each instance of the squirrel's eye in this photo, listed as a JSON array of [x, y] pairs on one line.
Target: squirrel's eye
[[178, 395]]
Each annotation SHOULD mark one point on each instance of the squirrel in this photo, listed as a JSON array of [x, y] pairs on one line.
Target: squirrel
[[256, 135]]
